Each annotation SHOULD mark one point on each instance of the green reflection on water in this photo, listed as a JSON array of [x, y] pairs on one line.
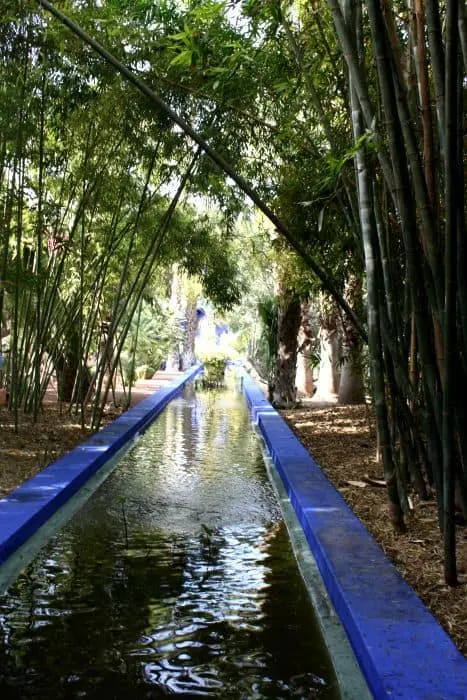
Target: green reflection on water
[[201, 598]]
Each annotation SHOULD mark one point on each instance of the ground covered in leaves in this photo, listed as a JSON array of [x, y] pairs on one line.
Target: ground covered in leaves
[[342, 440], [34, 445]]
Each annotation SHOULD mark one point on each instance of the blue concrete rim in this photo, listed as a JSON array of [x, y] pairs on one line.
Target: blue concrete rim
[[27, 508], [402, 650]]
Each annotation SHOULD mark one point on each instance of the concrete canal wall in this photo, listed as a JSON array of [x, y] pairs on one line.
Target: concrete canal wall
[[402, 650], [25, 510]]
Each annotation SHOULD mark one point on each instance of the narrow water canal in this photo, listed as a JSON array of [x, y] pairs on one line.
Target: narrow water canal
[[176, 577]]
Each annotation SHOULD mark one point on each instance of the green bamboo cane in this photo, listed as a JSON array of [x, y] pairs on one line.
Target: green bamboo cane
[[388, 273], [143, 277], [420, 57], [325, 278], [3, 163], [420, 189], [416, 272], [359, 84], [25, 363], [98, 290], [58, 266], [134, 295], [435, 42], [338, 74], [461, 223], [39, 231], [6, 232], [450, 276], [15, 378], [368, 228], [132, 229], [133, 355], [349, 207], [461, 409], [463, 33], [131, 226]]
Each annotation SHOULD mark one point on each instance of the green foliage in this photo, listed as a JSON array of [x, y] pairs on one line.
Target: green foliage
[[145, 372], [147, 342], [267, 85], [267, 346], [214, 364], [207, 254]]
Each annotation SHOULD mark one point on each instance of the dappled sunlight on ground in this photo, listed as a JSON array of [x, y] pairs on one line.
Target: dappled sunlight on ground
[[56, 432], [342, 439], [35, 445]]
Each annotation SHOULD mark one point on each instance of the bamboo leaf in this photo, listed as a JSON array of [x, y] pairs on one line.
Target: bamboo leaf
[[184, 58]]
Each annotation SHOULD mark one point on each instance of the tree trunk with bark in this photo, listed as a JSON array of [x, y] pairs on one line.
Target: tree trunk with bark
[[328, 378], [351, 386], [304, 373], [191, 326], [286, 361]]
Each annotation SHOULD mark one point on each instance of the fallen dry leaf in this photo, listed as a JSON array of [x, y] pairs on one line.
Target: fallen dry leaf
[[342, 441]]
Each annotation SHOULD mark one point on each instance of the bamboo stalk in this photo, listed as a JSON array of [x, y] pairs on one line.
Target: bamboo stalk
[[39, 228], [435, 42], [463, 33], [425, 104], [369, 235], [141, 282], [450, 271], [293, 241]]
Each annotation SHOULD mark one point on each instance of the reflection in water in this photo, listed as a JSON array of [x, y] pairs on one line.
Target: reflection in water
[[203, 599]]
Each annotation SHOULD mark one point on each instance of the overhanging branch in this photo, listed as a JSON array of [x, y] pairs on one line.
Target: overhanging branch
[[324, 277]]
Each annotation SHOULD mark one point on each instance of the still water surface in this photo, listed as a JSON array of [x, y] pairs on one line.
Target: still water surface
[[176, 577]]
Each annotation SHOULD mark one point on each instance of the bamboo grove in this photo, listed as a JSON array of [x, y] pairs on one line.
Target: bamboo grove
[[376, 89], [91, 217], [411, 208]]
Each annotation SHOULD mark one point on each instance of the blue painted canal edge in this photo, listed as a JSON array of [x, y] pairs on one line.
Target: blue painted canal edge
[[27, 509], [402, 650]]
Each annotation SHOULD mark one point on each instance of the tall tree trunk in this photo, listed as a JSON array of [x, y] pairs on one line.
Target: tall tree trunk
[[327, 385], [286, 360], [351, 386], [304, 373], [191, 326]]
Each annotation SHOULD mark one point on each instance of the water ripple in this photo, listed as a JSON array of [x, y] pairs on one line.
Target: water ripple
[[175, 578]]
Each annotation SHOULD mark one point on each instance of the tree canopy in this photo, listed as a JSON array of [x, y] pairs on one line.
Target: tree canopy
[[342, 121]]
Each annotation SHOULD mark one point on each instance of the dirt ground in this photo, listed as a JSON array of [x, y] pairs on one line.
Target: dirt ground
[[341, 439], [36, 444], [56, 432]]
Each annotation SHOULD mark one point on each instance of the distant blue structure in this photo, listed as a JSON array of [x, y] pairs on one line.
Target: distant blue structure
[[220, 330]]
